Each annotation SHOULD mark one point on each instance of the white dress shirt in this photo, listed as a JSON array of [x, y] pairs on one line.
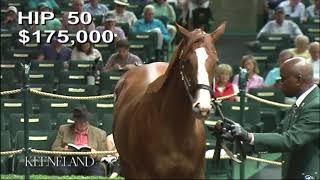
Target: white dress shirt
[[296, 11]]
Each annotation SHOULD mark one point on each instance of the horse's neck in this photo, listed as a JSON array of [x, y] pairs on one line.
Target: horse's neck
[[175, 102]]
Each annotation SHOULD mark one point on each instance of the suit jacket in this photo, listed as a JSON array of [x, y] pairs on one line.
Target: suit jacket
[[97, 138], [299, 140]]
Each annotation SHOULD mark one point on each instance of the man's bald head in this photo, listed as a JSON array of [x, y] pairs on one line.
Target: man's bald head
[[314, 50], [284, 55], [296, 76]]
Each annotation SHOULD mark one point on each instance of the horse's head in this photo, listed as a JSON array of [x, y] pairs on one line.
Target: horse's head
[[197, 61]]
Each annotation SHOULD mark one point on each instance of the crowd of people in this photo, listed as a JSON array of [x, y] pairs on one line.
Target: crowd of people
[[157, 16]]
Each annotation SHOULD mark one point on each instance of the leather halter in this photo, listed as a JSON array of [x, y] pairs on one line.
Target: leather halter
[[187, 82]]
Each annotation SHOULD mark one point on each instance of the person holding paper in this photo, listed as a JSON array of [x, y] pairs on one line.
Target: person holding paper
[[81, 133]]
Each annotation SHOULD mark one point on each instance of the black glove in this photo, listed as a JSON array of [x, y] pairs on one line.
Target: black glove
[[236, 130]]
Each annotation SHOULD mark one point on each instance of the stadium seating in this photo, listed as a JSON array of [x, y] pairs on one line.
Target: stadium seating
[[147, 39], [8, 80], [77, 90], [65, 118], [252, 118], [125, 27], [9, 106], [73, 77], [41, 140], [6, 40], [106, 50], [36, 122], [55, 106], [108, 81], [47, 66], [5, 146], [100, 107], [270, 115], [106, 123], [80, 65]]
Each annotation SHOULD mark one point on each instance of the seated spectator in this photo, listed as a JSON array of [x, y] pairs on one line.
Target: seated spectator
[[280, 25], [313, 10], [222, 86], [55, 51], [81, 133], [33, 4], [165, 12], [294, 9], [314, 50], [187, 7], [254, 80], [272, 4], [95, 8], [149, 24], [53, 24], [301, 48], [109, 23], [123, 15], [85, 52], [273, 76], [10, 21], [76, 7], [123, 59]]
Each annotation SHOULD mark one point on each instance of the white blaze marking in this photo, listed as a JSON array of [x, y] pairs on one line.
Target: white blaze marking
[[203, 96]]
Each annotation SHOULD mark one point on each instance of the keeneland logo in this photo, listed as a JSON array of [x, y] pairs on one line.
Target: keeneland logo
[[59, 161]]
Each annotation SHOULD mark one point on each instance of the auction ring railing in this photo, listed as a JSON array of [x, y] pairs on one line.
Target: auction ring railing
[[35, 151]]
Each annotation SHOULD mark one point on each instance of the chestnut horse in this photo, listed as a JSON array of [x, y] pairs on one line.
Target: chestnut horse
[[159, 111]]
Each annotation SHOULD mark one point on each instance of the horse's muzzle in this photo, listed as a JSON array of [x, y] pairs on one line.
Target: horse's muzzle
[[202, 111]]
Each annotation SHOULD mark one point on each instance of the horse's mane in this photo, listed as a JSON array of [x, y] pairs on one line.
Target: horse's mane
[[161, 80]]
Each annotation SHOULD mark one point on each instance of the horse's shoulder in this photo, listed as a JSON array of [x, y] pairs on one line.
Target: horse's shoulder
[[136, 81]]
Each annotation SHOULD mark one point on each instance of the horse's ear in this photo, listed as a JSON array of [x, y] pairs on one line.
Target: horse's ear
[[182, 30], [219, 31]]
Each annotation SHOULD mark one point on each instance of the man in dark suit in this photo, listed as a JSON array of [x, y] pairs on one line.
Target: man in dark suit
[[299, 140]]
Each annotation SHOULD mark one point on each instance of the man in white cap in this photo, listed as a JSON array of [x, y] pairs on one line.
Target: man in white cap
[[10, 22], [121, 14], [109, 23]]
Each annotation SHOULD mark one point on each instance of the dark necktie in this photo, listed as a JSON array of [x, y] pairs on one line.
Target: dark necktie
[[292, 114]]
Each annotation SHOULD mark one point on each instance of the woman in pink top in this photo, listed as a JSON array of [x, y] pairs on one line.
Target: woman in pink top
[[254, 80]]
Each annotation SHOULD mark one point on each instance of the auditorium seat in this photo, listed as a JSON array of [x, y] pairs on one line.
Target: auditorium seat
[[100, 107], [36, 122], [5, 146], [108, 81], [40, 140], [270, 115], [252, 118], [80, 65], [9, 106], [73, 77], [106, 123], [77, 90], [65, 118], [55, 106], [47, 66]]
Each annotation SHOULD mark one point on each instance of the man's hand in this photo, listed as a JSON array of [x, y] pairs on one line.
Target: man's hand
[[236, 130]]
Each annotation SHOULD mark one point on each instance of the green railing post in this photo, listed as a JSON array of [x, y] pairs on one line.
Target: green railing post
[[243, 77], [25, 90]]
